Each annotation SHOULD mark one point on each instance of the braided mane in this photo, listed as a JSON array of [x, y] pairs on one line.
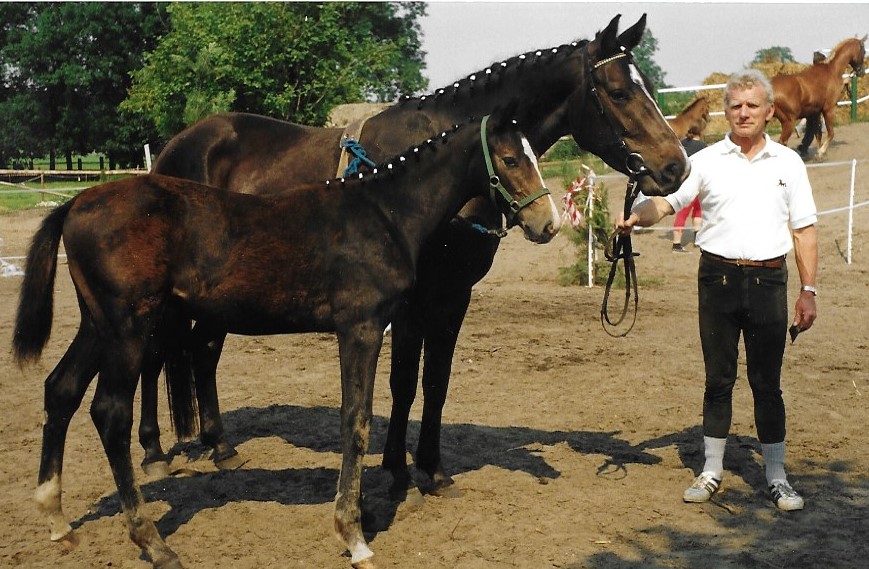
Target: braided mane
[[495, 71], [393, 165]]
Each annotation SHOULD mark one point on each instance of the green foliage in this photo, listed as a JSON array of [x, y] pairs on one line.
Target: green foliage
[[65, 70], [289, 60], [597, 217], [674, 103], [776, 54], [643, 57]]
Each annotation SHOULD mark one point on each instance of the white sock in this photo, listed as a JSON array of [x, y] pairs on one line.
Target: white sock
[[714, 451], [774, 459]]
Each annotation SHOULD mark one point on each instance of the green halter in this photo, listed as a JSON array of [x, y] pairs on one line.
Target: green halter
[[495, 184]]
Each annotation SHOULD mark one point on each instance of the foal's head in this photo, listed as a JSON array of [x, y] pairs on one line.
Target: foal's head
[[516, 184]]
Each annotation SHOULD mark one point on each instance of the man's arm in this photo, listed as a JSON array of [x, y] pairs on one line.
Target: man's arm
[[645, 214], [806, 254]]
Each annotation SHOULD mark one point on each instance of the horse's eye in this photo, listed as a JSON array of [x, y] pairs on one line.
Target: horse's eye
[[618, 95], [510, 161]]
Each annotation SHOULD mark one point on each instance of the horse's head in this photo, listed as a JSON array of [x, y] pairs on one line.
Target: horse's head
[[614, 115], [858, 62], [515, 183]]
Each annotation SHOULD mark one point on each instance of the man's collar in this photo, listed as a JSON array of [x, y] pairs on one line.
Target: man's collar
[[769, 148]]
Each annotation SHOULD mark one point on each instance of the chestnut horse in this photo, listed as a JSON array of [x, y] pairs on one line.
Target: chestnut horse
[[589, 89], [303, 259], [695, 114], [814, 92]]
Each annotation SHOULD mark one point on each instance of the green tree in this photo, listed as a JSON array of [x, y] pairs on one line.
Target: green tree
[[643, 57], [289, 60], [65, 70], [774, 54]]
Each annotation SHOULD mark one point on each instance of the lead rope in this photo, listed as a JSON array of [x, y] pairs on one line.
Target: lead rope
[[619, 247]]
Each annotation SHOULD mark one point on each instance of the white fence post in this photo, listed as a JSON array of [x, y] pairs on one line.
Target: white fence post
[[148, 157], [851, 207]]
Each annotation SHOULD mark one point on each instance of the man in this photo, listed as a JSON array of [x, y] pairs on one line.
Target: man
[[751, 189]]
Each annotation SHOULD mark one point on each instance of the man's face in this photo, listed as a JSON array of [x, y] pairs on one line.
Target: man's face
[[748, 112]]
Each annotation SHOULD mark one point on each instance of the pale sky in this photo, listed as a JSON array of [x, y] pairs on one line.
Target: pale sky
[[694, 39]]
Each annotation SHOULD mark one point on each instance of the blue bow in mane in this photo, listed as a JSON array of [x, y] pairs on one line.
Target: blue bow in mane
[[360, 156]]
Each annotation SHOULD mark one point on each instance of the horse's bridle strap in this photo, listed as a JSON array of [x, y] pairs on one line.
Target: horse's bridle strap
[[610, 59], [497, 188]]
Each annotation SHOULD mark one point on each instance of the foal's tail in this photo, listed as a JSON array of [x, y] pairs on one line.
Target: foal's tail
[[180, 385], [36, 300]]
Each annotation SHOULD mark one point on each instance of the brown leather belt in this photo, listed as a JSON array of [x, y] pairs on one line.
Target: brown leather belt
[[776, 263]]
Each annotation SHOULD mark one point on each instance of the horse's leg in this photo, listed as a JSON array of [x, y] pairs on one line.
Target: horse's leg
[[112, 414], [403, 379], [359, 346], [155, 462], [64, 389], [206, 348], [787, 128], [828, 121], [442, 325]]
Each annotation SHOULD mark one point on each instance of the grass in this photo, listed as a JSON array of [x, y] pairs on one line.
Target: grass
[[31, 194]]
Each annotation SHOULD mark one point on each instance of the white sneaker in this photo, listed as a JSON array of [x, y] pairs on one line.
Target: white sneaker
[[785, 497], [702, 489]]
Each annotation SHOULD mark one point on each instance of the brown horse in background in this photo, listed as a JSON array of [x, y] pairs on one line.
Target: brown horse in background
[[695, 114], [814, 92]]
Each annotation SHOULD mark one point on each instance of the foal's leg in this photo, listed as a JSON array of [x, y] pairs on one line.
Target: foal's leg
[[112, 414], [155, 461], [64, 389], [442, 325], [359, 347], [206, 348], [828, 121], [403, 380]]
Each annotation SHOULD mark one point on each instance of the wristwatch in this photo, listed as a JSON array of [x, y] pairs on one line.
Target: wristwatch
[[810, 289]]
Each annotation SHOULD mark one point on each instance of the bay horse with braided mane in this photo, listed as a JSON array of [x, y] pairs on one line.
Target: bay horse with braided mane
[[696, 114], [588, 89], [814, 92], [145, 252]]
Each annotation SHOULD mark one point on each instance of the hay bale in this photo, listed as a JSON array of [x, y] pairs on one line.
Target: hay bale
[[343, 115]]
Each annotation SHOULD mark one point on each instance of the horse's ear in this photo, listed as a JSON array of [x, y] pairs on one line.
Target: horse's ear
[[608, 36], [631, 37]]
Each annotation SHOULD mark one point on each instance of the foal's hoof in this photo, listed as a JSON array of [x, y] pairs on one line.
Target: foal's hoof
[[156, 469]]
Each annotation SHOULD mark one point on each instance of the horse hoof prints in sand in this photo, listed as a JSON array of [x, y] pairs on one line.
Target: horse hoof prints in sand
[[314, 259]]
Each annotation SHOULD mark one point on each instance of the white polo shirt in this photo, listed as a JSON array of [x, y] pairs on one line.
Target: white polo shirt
[[749, 206]]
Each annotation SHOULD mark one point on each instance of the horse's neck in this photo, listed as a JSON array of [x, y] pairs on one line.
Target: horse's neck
[[427, 191], [840, 60]]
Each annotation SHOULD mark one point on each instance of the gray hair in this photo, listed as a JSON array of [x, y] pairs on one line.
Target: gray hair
[[746, 79]]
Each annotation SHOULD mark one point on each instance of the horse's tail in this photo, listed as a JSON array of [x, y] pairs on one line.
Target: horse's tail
[[36, 300], [180, 386]]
